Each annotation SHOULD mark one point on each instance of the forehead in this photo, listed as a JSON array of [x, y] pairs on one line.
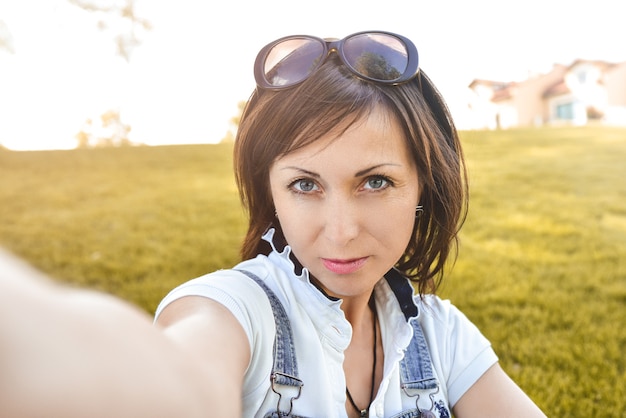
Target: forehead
[[372, 139]]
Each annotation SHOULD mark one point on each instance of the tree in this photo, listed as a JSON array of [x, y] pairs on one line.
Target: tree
[[85, 135], [237, 118], [6, 42], [118, 14], [234, 121], [111, 132], [121, 16], [115, 131]]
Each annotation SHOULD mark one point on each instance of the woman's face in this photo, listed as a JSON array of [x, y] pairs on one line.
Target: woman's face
[[346, 204]]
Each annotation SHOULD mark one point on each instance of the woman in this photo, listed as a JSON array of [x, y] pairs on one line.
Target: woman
[[352, 173]]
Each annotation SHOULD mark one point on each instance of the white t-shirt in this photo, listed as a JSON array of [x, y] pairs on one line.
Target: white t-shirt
[[460, 354]]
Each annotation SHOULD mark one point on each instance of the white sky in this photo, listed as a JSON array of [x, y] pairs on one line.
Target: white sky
[[184, 81]]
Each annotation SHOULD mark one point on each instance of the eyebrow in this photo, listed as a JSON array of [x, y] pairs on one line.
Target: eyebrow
[[370, 169], [360, 173], [302, 170]]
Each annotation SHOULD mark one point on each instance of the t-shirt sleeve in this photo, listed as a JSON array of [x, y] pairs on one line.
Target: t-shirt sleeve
[[462, 352], [248, 303]]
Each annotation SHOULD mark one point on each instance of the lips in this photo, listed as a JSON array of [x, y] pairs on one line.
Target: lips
[[344, 266]]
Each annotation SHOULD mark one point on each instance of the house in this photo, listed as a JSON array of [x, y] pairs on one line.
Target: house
[[583, 92]]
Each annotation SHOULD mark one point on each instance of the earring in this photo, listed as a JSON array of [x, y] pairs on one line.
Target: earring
[[419, 209]]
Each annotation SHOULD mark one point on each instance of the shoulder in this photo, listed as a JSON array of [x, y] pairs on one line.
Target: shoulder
[[459, 350], [437, 312], [245, 303], [233, 289]]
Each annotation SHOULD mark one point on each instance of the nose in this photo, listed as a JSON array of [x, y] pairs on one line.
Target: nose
[[341, 221]]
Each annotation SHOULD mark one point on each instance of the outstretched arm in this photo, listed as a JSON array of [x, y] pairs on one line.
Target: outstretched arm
[[211, 335], [496, 395], [75, 353]]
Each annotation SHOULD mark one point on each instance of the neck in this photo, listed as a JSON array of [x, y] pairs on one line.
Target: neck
[[357, 311], [360, 382]]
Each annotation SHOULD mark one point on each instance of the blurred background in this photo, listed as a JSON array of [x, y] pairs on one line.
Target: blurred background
[[164, 72], [542, 261]]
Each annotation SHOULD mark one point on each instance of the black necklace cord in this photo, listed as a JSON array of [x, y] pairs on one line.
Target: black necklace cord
[[364, 412]]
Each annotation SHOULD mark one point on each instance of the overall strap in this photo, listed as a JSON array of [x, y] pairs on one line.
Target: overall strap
[[416, 369], [285, 368]]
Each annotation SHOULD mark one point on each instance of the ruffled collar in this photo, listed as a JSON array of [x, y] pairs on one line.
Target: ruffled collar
[[394, 297], [282, 258], [399, 284]]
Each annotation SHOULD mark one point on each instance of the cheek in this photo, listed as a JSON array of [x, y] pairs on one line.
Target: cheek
[[293, 228], [399, 225], [409, 226], [396, 220], [300, 235], [296, 222]]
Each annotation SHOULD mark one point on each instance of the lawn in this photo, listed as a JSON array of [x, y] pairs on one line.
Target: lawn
[[134, 222], [541, 266]]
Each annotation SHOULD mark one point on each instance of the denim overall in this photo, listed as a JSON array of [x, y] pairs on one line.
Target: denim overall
[[416, 371]]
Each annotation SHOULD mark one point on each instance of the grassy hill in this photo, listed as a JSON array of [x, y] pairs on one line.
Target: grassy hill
[[130, 221], [541, 268]]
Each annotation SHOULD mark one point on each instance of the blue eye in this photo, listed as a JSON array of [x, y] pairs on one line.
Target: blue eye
[[377, 183], [304, 186]]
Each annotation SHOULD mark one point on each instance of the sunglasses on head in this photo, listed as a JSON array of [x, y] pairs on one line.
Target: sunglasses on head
[[381, 57]]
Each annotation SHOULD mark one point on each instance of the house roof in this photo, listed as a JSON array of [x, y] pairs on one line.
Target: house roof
[[489, 83], [501, 90], [504, 90], [502, 94], [556, 89], [603, 65]]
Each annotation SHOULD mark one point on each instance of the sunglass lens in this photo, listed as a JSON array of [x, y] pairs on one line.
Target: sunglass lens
[[292, 61], [376, 56]]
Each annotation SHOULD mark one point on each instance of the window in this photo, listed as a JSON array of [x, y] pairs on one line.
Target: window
[[565, 111]]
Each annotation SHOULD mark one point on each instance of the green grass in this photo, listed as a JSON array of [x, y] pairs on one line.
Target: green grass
[[134, 222], [541, 268]]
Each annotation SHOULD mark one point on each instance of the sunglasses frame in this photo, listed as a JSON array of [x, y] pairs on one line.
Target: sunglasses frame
[[412, 66]]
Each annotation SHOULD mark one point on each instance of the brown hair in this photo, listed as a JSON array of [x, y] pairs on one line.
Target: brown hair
[[275, 123]]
